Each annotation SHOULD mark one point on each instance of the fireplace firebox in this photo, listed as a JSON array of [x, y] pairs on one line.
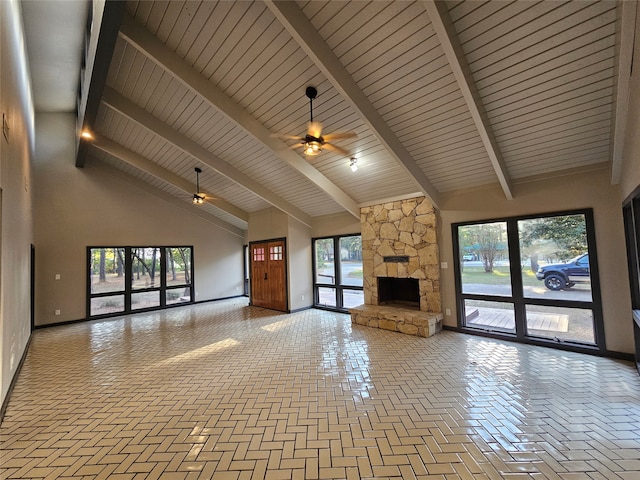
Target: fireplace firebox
[[402, 292]]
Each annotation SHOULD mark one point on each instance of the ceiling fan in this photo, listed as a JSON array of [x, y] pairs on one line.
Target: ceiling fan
[[314, 142], [198, 198]]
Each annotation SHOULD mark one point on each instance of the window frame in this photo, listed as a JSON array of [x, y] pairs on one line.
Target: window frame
[[129, 291], [337, 285], [517, 298], [246, 269], [631, 218]]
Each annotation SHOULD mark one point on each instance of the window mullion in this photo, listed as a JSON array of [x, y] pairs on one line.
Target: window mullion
[[515, 270], [337, 271], [128, 277], [163, 276]]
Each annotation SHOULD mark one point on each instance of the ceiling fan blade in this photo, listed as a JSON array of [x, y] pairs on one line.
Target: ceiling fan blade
[[285, 137], [338, 136], [335, 148], [315, 129]]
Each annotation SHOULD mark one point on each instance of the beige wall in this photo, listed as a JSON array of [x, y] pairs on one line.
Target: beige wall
[[79, 207], [631, 153], [267, 224], [586, 190], [337, 224], [299, 262], [15, 196]]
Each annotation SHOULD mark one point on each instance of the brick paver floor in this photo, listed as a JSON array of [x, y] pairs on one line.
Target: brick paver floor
[[226, 391]]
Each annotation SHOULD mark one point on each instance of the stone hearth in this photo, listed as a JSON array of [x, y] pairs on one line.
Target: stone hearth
[[399, 240], [411, 322]]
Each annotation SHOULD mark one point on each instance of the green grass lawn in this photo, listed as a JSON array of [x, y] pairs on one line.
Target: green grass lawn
[[499, 276]]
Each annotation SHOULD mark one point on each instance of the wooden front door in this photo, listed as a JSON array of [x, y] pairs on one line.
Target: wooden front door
[[268, 275]]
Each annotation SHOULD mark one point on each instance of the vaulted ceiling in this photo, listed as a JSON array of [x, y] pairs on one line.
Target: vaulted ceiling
[[442, 96]]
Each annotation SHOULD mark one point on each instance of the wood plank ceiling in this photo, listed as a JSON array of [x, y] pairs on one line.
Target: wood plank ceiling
[[442, 96]]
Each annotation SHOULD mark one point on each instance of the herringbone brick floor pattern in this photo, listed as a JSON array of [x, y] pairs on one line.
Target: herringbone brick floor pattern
[[227, 391]]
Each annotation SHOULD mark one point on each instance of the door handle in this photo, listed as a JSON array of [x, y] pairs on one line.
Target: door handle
[[265, 275]]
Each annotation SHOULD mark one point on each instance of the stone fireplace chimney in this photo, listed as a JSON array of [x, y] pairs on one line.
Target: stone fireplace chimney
[[399, 241]]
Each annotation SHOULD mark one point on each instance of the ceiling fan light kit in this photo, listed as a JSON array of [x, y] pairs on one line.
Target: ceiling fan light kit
[[312, 147]]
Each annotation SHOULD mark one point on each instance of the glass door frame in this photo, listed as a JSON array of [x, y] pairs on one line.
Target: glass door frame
[[337, 283], [517, 298]]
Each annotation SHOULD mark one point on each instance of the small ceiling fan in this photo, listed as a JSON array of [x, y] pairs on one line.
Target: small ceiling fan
[[198, 198], [313, 142]]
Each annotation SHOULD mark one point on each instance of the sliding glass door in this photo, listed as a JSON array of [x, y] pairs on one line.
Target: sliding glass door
[[532, 278]]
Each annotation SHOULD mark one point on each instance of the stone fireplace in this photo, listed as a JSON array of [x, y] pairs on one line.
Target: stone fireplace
[[401, 271]]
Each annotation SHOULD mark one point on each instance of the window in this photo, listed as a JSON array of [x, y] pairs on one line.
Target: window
[[126, 279], [531, 278], [275, 252], [337, 272], [178, 275], [106, 280], [258, 254]]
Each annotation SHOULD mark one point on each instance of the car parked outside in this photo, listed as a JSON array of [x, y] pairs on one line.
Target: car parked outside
[[467, 257], [565, 275]]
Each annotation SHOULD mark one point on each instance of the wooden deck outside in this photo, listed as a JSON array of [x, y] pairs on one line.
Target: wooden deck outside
[[504, 319]]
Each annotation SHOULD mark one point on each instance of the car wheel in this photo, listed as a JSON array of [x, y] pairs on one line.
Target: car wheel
[[554, 282]]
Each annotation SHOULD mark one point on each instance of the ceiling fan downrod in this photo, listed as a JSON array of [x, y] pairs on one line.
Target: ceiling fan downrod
[[311, 93]]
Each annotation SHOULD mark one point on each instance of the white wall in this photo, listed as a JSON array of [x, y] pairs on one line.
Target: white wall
[[578, 191], [16, 186], [79, 207]]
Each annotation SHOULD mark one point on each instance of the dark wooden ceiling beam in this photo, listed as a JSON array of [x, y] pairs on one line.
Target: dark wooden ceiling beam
[[98, 52]]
